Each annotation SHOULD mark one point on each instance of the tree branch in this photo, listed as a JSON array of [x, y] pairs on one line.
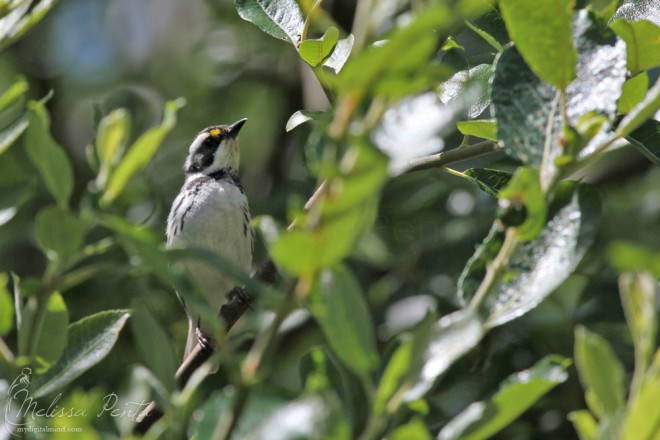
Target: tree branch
[[456, 155], [240, 301]]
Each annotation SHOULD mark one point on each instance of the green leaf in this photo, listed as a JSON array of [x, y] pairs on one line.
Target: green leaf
[[490, 181], [339, 306], [13, 93], [486, 129], [539, 266], [340, 54], [12, 197], [153, 344], [21, 19], [44, 340], [525, 188], [395, 373], [10, 134], [300, 117], [471, 85], [625, 256], [481, 420], [601, 373], [141, 152], [323, 418], [413, 430], [49, 158], [584, 423], [59, 233], [315, 51], [633, 92], [490, 26], [442, 343], [641, 112], [637, 23], [280, 18], [647, 140], [475, 269], [113, 132], [642, 417], [542, 32], [639, 299], [6, 306], [517, 93], [90, 340]]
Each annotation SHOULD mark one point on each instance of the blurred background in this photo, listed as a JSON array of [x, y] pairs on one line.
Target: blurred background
[[99, 55]]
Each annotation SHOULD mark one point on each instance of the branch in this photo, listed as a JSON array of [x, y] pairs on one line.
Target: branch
[[459, 154], [240, 301]]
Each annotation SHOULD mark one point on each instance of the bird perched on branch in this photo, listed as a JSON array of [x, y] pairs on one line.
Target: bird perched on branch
[[211, 212]]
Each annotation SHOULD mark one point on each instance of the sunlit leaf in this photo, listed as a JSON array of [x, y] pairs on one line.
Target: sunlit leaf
[[13, 93], [300, 117], [633, 92], [481, 420], [486, 129], [638, 23], [415, 429], [584, 423], [601, 373], [6, 306], [339, 306], [113, 132], [10, 134], [49, 158], [90, 340], [471, 86], [490, 181], [642, 418], [21, 19], [141, 152], [525, 188], [280, 18], [542, 33], [340, 54], [315, 51]]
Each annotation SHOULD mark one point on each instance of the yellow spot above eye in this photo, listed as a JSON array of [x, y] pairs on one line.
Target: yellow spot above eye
[[215, 132]]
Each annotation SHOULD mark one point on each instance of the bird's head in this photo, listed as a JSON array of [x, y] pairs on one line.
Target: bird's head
[[215, 148]]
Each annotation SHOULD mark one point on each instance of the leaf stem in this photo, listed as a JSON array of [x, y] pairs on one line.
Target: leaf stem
[[439, 160]]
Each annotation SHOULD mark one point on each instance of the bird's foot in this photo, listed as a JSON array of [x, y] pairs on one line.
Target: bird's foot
[[204, 340]]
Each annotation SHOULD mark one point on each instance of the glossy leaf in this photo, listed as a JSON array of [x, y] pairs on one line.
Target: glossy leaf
[[49, 158], [315, 51], [481, 420], [141, 152], [313, 418], [525, 188], [638, 24], [475, 269], [443, 342], [340, 54], [300, 117], [280, 18], [44, 342], [21, 19], [13, 93], [154, 345], [633, 92], [647, 140], [11, 133], [538, 267], [90, 340], [542, 33], [59, 233], [490, 26], [6, 306], [517, 93], [486, 129], [470, 85], [601, 373], [339, 306], [490, 181]]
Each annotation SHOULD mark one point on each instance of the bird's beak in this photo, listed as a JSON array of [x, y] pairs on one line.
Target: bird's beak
[[236, 127]]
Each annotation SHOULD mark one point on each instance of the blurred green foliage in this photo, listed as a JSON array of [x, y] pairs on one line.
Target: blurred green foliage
[[385, 322]]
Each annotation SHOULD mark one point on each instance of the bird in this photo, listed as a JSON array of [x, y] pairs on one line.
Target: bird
[[211, 212]]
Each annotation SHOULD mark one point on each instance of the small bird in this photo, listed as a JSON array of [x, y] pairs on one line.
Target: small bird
[[211, 212]]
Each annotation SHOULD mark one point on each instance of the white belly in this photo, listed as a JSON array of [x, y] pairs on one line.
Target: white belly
[[215, 216]]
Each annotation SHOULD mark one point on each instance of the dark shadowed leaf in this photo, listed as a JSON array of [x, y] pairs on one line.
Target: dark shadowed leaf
[[141, 152], [280, 18], [625, 256], [475, 269], [59, 233], [315, 51], [46, 342], [49, 158], [490, 26], [313, 418], [154, 344], [490, 181], [633, 92], [647, 140], [523, 104], [339, 306], [638, 23], [542, 33], [481, 420], [601, 373], [525, 188], [90, 340]]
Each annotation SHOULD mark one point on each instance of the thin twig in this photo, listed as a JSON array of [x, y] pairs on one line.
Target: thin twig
[[439, 160]]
